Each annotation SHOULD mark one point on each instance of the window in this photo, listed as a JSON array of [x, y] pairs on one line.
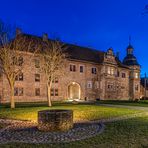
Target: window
[[72, 67], [118, 74], [37, 77], [96, 84], [137, 87], [37, 91], [37, 63], [20, 61], [110, 86], [94, 70], [19, 77], [89, 84], [136, 75], [21, 91], [17, 61], [54, 92], [18, 91], [55, 80], [123, 75], [15, 91], [81, 69], [110, 70]]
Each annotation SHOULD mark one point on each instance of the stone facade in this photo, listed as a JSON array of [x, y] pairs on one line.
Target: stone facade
[[107, 79], [144, 88]]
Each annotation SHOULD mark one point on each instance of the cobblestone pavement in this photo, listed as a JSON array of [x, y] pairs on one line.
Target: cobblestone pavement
[[27, 132]]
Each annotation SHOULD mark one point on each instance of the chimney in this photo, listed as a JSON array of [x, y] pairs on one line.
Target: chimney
[[45, 37], [18, 31]]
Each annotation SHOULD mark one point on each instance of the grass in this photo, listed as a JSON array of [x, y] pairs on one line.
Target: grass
[[28, 111], [141, 103], [131, 133]]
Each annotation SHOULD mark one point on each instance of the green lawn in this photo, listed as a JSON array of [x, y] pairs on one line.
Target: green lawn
[[131, 133], [141, 103], [81, 111]]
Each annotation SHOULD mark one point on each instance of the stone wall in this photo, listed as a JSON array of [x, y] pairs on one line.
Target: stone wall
[[28, 84], [121, 88]]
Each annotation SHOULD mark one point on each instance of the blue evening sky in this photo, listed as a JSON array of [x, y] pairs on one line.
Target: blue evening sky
[[99, 24]]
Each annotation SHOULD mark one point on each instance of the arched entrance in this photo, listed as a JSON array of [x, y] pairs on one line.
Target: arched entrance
[[74, 91]]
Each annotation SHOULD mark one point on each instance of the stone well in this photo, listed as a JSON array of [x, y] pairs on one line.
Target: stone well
[[55, 120]]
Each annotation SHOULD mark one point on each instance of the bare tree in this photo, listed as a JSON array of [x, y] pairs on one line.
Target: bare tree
[[53, 63], [12, 52]]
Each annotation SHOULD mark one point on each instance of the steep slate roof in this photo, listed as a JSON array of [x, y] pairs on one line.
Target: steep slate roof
[[120, 64], [85, 54], [79, 53], [74, 52], [130, 59]]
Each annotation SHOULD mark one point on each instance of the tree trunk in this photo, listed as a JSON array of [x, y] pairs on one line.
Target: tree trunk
[[12, 97], [49, 95]]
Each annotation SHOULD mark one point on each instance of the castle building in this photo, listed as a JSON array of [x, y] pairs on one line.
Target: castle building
[[90, 75]]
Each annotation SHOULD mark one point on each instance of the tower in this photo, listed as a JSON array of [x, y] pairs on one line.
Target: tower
[[134, 72]]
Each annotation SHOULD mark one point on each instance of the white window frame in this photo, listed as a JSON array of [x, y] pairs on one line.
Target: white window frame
[[89, 84]]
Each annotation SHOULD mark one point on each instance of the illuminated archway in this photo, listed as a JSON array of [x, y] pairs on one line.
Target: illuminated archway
[[74, 91]]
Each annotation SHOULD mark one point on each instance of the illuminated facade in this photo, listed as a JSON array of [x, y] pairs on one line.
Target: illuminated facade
[[90, 75]]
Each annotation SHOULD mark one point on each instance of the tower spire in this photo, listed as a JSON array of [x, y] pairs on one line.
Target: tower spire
[[130, 40], [130, 47]]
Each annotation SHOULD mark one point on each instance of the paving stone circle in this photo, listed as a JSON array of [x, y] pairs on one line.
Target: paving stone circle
[[27, 132]]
